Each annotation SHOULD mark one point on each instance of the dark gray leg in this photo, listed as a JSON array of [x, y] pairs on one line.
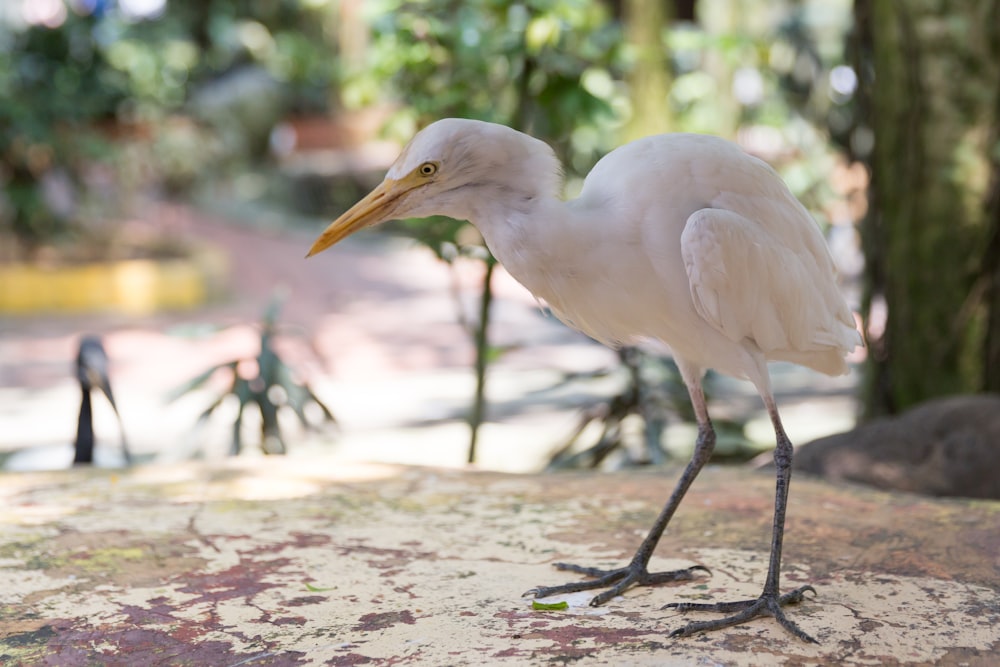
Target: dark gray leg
[[770, 602], [635, 573]]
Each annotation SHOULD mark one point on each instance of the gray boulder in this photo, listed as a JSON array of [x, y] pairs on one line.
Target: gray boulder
[[944, 447]]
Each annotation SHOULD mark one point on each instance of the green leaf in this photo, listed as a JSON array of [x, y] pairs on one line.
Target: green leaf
[[318, 589], [541, 32], [549, 606]]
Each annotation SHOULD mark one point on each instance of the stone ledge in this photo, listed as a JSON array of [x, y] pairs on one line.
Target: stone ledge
[[133, 287], [301, 561]]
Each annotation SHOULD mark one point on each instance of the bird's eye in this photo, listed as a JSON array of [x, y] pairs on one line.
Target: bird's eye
[[428, 169]]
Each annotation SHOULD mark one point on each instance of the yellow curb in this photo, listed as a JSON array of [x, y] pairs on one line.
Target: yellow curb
[[133, 287]]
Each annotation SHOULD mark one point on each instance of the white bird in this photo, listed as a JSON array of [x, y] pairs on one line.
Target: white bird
[[678, 237]]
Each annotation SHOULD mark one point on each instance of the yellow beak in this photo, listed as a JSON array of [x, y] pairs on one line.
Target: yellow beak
[[377, 206]]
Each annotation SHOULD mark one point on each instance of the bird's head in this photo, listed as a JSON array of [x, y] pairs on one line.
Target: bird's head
[[450, 168]]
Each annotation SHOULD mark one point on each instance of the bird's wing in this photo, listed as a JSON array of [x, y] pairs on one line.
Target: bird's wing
[[750, 283]]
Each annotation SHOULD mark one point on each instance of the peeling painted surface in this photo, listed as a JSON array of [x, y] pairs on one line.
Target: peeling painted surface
[[298, 562]]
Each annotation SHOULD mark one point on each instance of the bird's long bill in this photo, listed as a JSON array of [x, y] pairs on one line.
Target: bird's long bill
[[376, 207]]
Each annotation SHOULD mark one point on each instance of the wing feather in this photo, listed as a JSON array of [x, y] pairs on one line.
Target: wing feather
[[777, 291]]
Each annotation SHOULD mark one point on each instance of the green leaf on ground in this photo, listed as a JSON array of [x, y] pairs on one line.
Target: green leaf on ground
[[317, 589], [549, 606]]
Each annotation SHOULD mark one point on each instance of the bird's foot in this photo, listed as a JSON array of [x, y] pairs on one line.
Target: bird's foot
[[617, 580], [768, 604]]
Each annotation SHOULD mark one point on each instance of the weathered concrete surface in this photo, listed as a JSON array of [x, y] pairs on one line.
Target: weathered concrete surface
[[293, 561]]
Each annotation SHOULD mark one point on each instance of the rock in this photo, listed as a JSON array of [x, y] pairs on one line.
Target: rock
[[945, 447]]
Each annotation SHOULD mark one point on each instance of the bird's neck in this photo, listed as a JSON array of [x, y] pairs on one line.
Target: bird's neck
[[530, 241], [518, 230]]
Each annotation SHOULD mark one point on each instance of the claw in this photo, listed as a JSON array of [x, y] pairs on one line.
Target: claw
[[617, 580], [742, 611], [798, 595]]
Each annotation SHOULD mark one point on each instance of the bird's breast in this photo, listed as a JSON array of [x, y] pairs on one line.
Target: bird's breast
[[607, 288]]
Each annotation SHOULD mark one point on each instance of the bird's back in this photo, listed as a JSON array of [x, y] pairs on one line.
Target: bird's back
[[632, 277]]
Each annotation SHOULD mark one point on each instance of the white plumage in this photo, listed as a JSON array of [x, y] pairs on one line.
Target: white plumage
[[679, 237]]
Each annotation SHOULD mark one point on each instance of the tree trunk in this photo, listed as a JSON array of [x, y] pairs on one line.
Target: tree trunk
[[650, 77], [934, 111], [991, 263]]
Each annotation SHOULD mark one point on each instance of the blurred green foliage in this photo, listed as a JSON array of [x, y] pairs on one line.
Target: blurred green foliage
[[99, 85], [557, 69], [37, 119], [546, 67], [89, 88]]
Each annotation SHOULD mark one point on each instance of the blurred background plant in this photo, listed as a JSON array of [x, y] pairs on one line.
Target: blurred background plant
[[265, 382]]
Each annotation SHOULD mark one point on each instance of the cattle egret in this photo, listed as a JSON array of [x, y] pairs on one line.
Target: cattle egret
[[678, 237]]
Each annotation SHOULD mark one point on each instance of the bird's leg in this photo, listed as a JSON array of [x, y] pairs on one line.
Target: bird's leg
[[636, 572], [770, 602]]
